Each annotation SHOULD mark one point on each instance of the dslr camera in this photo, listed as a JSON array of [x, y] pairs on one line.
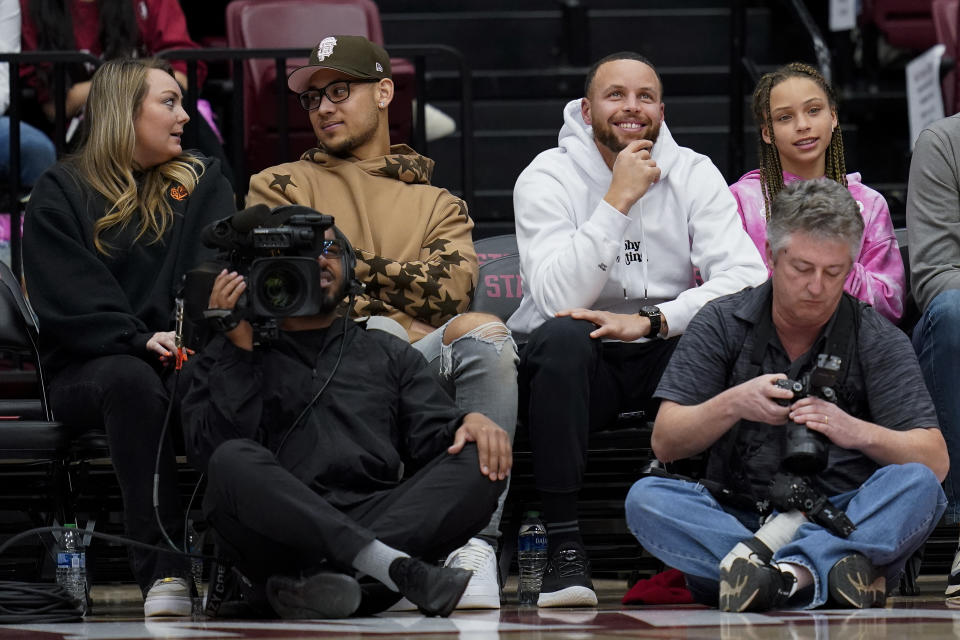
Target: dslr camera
[[275, 250], [806, 450]]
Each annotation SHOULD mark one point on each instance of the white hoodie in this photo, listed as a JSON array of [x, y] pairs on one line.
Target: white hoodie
[[576, 250]]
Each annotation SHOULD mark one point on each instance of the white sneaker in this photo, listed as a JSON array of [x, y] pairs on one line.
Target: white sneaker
[[953, 581], [483, 590], [168, 597]]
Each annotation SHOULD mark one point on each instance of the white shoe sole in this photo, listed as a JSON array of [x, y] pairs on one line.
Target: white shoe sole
[[479, 601], [569, 597], [170, 606]]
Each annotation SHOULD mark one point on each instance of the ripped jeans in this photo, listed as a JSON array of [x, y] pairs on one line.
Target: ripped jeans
[[479, 371]]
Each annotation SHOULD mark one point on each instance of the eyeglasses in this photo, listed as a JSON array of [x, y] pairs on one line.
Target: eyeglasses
[[331, 249], [335, 91]]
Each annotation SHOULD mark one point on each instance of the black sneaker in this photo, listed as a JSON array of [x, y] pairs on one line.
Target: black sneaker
[[749, 584], [854, 583], [566, 580], [323, 595], [435, 590]]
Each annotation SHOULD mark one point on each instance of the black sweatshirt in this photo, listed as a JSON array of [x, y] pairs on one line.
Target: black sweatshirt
[[90, 304], [382, 414]]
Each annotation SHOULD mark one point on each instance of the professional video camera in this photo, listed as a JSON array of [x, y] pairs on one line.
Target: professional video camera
[[275, 250], [806, 450]]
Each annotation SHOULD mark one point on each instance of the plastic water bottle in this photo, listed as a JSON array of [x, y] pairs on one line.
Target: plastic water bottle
[[72, 566], [194, 545], [531, 556]]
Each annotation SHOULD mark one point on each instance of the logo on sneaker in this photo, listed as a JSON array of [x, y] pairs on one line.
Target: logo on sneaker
[[732, 597], [566, 582], [855, 582], [749, 585]]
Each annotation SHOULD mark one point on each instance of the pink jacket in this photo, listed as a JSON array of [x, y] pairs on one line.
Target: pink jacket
[[877, 276]]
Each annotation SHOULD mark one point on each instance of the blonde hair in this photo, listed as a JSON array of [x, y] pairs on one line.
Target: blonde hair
[[105, 158], [771, 172]]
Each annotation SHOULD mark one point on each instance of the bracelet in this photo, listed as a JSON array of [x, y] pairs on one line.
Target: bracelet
[[222, 320]]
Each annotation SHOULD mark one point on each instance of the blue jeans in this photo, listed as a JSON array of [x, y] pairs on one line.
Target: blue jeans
[[680, 523], [936, 339], [479, 371], [36, 151]]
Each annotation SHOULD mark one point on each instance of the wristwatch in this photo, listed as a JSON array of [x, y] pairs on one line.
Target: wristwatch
[[222, 320], [653, 313]]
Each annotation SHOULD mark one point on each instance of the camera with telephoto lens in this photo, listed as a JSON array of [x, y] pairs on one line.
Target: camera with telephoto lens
[[805, 452], [275, 250]]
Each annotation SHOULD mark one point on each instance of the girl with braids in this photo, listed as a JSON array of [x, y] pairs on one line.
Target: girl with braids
[[108, 235], [796, 112]]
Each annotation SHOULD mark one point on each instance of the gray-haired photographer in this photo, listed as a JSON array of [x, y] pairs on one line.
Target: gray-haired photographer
[[859, 507], [332, 454]]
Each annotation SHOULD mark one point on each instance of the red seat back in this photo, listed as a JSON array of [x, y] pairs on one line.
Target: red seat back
[[261, 24], [905, 23]]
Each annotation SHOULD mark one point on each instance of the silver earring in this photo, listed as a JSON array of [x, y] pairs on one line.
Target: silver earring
[[381, 105]]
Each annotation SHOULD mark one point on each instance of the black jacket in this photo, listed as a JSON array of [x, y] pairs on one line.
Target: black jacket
[[381, 415], [93, 305]]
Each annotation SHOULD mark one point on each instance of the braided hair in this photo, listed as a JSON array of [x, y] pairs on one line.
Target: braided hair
[[771, 172]]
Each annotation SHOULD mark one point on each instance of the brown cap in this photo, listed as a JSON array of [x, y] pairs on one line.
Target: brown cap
[[354, 55]]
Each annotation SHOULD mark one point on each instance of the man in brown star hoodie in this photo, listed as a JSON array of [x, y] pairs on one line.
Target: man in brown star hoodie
[[413, 244]]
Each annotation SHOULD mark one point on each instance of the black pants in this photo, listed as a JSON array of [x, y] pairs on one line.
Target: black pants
[[128, 397], [272, 523], [571, 384]]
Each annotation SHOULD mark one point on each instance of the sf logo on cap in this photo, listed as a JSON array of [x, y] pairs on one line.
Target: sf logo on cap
[[325, 48]]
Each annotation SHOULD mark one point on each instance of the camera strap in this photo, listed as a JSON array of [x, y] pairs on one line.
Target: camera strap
[[840, 337]]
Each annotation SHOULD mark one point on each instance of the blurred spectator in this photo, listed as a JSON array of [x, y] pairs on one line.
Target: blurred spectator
[[36, 150], [109, 29]]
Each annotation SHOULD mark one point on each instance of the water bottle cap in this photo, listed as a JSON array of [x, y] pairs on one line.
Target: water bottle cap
[[532, 513], [70, 526]]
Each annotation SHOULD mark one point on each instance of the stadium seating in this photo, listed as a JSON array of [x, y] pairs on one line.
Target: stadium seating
[[296, 24], [34, 448], [905, 23], [495, 247]]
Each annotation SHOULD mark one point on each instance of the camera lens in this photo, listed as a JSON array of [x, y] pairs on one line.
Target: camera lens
[[281, 289]]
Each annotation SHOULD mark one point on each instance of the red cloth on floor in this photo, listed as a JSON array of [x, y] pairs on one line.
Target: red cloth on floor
[[668, 587]]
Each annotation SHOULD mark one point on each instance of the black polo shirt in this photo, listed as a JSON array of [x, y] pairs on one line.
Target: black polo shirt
[[714, 354]]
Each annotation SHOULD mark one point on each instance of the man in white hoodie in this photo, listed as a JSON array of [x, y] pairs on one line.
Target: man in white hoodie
[[612, 227]]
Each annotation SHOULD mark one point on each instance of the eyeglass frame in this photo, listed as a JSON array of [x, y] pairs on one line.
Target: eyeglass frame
[[323, 92], [326, 245]]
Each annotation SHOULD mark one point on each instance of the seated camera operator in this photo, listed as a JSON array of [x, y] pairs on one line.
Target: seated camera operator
[[334, 451], [414, 248], [885, 456]]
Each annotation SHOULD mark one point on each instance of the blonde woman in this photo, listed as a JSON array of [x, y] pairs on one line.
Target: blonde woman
[[108, 234]]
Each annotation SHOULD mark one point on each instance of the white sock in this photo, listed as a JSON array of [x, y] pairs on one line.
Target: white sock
[[801, 575], [375, 560]]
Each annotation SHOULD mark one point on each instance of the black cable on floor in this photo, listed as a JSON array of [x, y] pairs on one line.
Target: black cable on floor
[[22, 602], [37, 602]]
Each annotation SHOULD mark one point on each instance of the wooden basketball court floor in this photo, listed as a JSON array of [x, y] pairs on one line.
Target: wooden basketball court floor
[[118, 616]]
